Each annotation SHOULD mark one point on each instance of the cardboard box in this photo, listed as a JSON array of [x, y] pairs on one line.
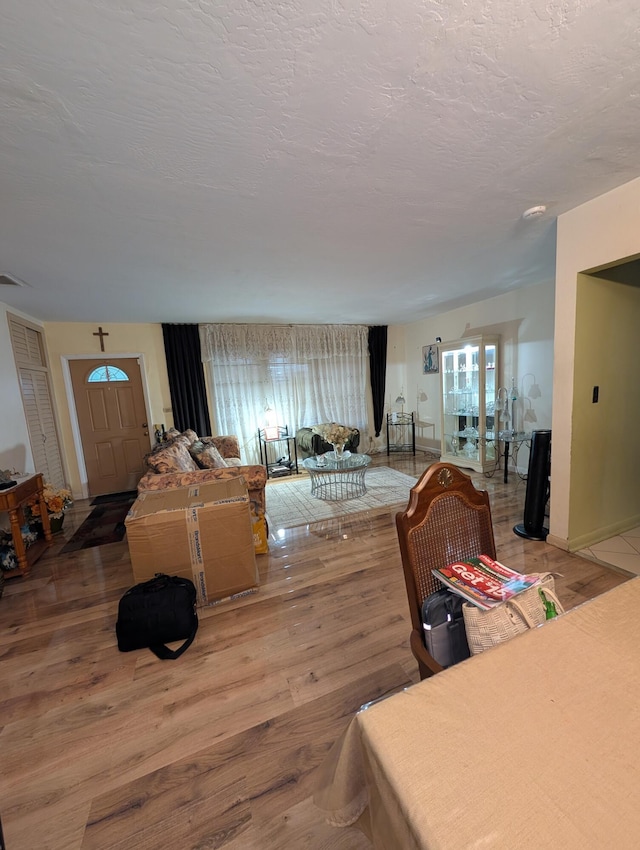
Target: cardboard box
[[202, 532]]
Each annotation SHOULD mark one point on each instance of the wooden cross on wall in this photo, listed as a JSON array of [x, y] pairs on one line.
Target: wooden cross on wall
[[101, 334]]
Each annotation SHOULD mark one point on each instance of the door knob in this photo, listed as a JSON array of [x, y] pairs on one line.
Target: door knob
[[144, 425]]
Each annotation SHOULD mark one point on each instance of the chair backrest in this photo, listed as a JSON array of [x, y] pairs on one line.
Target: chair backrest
[[447, 519]]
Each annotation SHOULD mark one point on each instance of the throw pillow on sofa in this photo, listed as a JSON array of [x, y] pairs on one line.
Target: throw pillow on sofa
[[227, 445], [173, 457], [207, 456], [189, 436]]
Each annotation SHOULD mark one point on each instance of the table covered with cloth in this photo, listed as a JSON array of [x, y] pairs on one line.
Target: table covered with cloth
[[532, 744]]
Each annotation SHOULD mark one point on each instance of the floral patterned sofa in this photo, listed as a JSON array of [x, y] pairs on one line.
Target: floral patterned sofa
[[185, 459]]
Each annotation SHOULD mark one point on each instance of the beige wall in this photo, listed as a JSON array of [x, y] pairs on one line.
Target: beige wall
[[599, 233], [605, 496], [75, 339], [524, 320]]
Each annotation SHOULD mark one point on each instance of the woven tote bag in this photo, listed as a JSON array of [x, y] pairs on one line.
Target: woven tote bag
[[524, 611]]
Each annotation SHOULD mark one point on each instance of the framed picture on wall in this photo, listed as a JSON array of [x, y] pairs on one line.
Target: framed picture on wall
[[430, 360]]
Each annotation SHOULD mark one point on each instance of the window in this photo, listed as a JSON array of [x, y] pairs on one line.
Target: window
[[107, 373], [305, 374]]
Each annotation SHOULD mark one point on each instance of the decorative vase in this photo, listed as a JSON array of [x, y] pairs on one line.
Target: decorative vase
[[56, 523], [338, 450], [470, 447]]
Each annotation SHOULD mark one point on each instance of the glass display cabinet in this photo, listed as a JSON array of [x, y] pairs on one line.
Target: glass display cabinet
[[468, 369]]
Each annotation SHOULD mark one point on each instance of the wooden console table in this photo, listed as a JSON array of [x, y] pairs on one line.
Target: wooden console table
[[14, 500]]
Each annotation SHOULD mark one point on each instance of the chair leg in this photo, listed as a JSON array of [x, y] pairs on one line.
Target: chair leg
[[424, 671]]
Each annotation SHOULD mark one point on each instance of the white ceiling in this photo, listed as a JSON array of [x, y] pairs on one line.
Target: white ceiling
[[301, 161]]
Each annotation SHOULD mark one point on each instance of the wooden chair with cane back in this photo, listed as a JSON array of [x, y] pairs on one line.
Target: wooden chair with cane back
[[447, 519]]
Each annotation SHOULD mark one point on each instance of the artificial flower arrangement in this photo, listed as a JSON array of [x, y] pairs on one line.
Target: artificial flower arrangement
[[57, 501], [333, 433]]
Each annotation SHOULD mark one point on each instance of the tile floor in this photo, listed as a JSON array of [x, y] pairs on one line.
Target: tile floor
[[622, 551]]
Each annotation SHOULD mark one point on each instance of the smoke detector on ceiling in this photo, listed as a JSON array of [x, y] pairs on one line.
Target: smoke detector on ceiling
[[534, 212]]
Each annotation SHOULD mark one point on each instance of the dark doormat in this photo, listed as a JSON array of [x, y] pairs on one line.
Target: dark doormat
[[105, 524], [127, 495]]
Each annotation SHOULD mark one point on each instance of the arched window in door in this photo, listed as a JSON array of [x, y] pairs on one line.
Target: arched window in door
[[107, 373]]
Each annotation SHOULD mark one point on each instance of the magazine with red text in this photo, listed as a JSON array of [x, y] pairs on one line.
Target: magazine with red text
[[484, 581]]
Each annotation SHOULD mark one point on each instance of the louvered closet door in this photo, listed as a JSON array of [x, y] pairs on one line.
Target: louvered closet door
[[41, 424], [28, 349], [27, 344]]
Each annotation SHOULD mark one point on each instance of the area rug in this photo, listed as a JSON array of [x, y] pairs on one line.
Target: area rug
[[125, 496], [290, 503], [105, 524]]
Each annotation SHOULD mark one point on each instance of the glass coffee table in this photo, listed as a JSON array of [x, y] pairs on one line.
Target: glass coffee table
[[336, 479]]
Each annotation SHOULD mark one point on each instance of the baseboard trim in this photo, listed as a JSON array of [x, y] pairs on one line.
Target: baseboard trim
[[584, 541], [558, 542]]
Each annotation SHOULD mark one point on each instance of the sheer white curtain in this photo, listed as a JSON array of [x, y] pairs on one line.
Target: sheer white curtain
[[305, 373]]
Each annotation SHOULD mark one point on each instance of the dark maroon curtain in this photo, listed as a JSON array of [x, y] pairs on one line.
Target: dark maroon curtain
[[186, 378], [378, 371]]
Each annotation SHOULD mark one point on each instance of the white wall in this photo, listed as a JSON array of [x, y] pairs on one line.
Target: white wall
[[524, 320]]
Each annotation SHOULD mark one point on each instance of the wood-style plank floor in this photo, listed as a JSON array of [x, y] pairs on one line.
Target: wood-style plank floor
[[102, 750]]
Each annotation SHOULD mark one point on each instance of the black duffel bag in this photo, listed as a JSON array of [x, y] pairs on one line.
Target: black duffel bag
[[157, 612]]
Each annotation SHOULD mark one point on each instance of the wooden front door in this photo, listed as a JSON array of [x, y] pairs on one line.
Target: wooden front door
[[112, 421]]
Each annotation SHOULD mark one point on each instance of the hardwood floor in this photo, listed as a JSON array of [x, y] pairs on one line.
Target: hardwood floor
[[102, 750]]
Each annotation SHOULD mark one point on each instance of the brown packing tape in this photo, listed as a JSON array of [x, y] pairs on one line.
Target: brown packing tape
[[206, 537], [237, 595], [195, 552]]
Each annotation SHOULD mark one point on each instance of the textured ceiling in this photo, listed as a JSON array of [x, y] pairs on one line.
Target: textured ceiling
[[301, 161]]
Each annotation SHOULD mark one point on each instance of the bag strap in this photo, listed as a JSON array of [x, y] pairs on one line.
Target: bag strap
[[550, 594], [163, 651], [513, 603]]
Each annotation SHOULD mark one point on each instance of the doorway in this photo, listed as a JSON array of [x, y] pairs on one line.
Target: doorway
[[604, 498], [112, 422]]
